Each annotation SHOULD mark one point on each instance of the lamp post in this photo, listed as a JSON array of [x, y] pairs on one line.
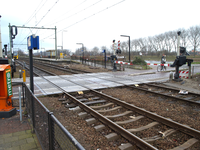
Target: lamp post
[[62, 37], [128, 45], [83, 50]]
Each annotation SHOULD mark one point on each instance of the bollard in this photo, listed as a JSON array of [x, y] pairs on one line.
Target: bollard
[[20, 104], [20, 74], [24, 75]]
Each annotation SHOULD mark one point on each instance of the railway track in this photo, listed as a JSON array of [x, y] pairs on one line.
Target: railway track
[[174, 94], [57, 67], [37, 71], [121, 117]]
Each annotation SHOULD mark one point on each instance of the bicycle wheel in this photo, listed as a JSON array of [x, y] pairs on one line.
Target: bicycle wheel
[[159, 68], [165, 68]]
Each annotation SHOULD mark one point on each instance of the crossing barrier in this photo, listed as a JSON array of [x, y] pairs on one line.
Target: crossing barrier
[[149, 64], [183, 74]]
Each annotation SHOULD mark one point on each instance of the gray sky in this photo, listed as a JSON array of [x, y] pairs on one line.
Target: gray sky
[[94, 22]]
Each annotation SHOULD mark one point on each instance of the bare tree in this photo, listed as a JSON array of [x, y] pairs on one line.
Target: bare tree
[[184, 37], [168, 42], [194, 37], [173, 37], [150, 45], [124, 47], [95, 51]]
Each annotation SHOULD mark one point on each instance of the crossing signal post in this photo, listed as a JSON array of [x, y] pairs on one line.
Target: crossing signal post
[[113, 57], [180, 59], [104, 51], [118, 49]]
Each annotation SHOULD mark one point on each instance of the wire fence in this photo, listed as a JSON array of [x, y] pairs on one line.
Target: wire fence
[[51, 134]]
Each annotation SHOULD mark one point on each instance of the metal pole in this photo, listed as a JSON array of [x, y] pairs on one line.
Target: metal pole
[[129, 50], [51, 135], [62, 41], [10, 44], [31, 70], [56, 42], [105, 59], [178, 43], [20, 104], [83, 53]]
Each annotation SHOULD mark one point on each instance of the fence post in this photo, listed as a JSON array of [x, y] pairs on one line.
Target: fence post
[[23, 92], [192, 70], [33, 112], [51, 135], [189, 72]]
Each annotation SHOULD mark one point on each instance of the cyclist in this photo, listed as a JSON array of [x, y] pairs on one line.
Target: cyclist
[[163, 61]]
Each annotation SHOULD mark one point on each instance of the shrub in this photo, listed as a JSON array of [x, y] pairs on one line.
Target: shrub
[[139, 61]]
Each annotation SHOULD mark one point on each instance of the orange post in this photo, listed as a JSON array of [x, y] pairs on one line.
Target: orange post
[[6, 109]]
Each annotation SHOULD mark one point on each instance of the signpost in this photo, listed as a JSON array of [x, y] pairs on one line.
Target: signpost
[[33, 44]]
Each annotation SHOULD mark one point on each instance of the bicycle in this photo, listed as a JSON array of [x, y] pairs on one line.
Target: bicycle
[[164, 68]]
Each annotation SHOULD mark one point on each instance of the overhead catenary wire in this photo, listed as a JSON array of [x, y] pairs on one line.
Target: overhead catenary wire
[[84, 9], [40, 19], [87, 18], [77, 21], [47, 13], [35, 12], [67, 12]]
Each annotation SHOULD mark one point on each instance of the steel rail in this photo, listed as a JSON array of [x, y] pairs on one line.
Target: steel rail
[[75, 71], [38, 69], [169, 88], [117, 128], [58, 67], [170, 96], [65, 69], [177, 126], [27, 67]]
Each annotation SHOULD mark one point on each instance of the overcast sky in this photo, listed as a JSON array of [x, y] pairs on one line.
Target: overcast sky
[[94, 22]]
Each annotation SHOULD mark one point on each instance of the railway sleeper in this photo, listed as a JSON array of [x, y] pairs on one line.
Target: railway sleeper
[[91, 121], [127, 146], [100, 127], [143, 127], [186, 145], [162, 135], [102, 106], [119, 115], [86, 103], [112, 136], [83, 114], [129, 121], [109, 110]]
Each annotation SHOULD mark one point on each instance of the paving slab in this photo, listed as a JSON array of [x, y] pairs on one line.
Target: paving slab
[[16, 135]]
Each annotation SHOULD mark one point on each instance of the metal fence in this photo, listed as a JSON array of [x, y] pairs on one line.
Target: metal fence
[[50, 132]]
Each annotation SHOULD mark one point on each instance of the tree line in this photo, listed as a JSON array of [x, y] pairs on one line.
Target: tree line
[[161, 43]]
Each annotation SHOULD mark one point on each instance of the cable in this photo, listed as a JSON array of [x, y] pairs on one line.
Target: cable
[[34, 13], [76, 13], [47, 13], [87, 17], [69, 11]]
